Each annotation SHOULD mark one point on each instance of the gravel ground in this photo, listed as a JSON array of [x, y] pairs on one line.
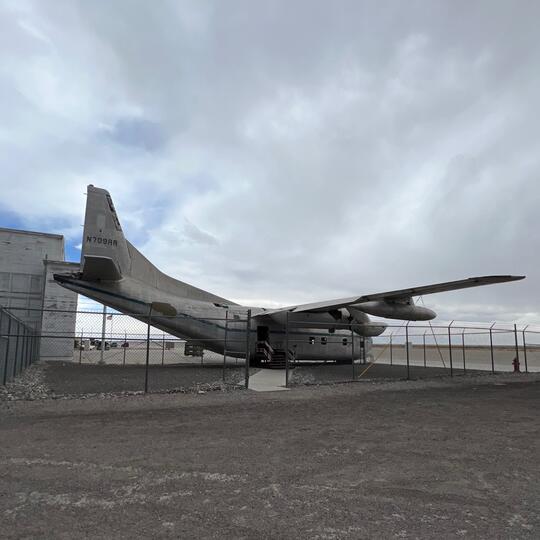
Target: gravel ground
[[66, 379], [57, 379], [330, 373], [29, 386], [406, 459]]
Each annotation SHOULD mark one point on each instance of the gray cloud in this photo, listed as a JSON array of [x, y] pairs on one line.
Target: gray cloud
[[194, 234], [140, 133], [321, 150]]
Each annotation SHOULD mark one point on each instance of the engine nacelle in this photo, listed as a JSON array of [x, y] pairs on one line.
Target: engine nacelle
[[404, 311], [364, 326], [342, 317]]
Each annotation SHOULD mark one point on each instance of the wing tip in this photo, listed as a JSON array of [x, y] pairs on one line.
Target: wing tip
[[509, 277]]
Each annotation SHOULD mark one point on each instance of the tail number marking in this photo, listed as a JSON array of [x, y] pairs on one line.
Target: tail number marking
[[100, 240]]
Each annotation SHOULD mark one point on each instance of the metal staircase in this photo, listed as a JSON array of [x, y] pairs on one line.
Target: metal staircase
[[267, 356]]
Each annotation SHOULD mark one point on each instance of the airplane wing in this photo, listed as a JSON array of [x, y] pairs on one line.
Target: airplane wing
[[399, 294]]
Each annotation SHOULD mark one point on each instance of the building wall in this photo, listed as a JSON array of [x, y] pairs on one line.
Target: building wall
[[21, 270], [58, 325], [27, 262]]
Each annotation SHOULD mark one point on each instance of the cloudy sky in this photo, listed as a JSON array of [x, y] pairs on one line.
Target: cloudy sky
[[285, 151]]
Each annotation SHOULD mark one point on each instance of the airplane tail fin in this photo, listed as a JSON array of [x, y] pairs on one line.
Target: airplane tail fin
[[105, 254]]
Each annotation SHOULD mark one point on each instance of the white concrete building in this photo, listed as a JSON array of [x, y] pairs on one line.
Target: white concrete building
[[27, 289]]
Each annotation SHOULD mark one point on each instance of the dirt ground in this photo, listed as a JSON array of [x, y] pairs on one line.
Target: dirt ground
[[67, 378], [408, 459]]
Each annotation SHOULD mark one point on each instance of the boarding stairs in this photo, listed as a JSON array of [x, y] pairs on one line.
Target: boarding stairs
[[268, 357]]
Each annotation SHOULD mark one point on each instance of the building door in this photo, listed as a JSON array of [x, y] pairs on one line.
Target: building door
[[263, 333]]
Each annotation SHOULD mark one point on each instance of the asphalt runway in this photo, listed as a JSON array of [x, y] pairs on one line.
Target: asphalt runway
[[438, 459]]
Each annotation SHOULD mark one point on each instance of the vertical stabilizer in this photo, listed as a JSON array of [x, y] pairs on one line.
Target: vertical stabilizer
[[104, 253]]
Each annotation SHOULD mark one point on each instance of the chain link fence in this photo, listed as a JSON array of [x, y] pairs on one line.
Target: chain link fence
[[415, 351], [97, 352], [459, 348], [19, 345]]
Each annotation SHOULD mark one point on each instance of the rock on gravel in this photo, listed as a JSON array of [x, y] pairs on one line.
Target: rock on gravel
[[29, 386]]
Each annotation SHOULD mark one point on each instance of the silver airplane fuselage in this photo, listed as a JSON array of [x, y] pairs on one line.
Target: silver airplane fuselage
[[223, 327]]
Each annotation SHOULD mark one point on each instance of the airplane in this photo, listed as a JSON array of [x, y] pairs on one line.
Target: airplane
[[114, 273]]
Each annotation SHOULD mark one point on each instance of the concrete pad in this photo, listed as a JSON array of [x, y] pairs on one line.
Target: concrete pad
[[268, 380]]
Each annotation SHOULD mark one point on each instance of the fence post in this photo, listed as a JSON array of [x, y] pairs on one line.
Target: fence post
[[516, 340], [407, 348], [81, 345], [23, 340], [24, 350], [286, 349], [21, 351], [38, 341], [463, 349], [103, 327], [363, 349], [29, 351], [34, 344], [125, 347], [31, 355], [450, 348], [147, 350], [28, 346], [163, 350], [352, 354], [525, 349], [16, 357], [491, 347], [6, 337], [391, 350], [225, 342], [248, 346], [1, 333], [424, 340], [6, 356], [20, 362]]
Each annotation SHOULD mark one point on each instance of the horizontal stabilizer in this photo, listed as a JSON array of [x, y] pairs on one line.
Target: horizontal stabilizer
[[96, 268]]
